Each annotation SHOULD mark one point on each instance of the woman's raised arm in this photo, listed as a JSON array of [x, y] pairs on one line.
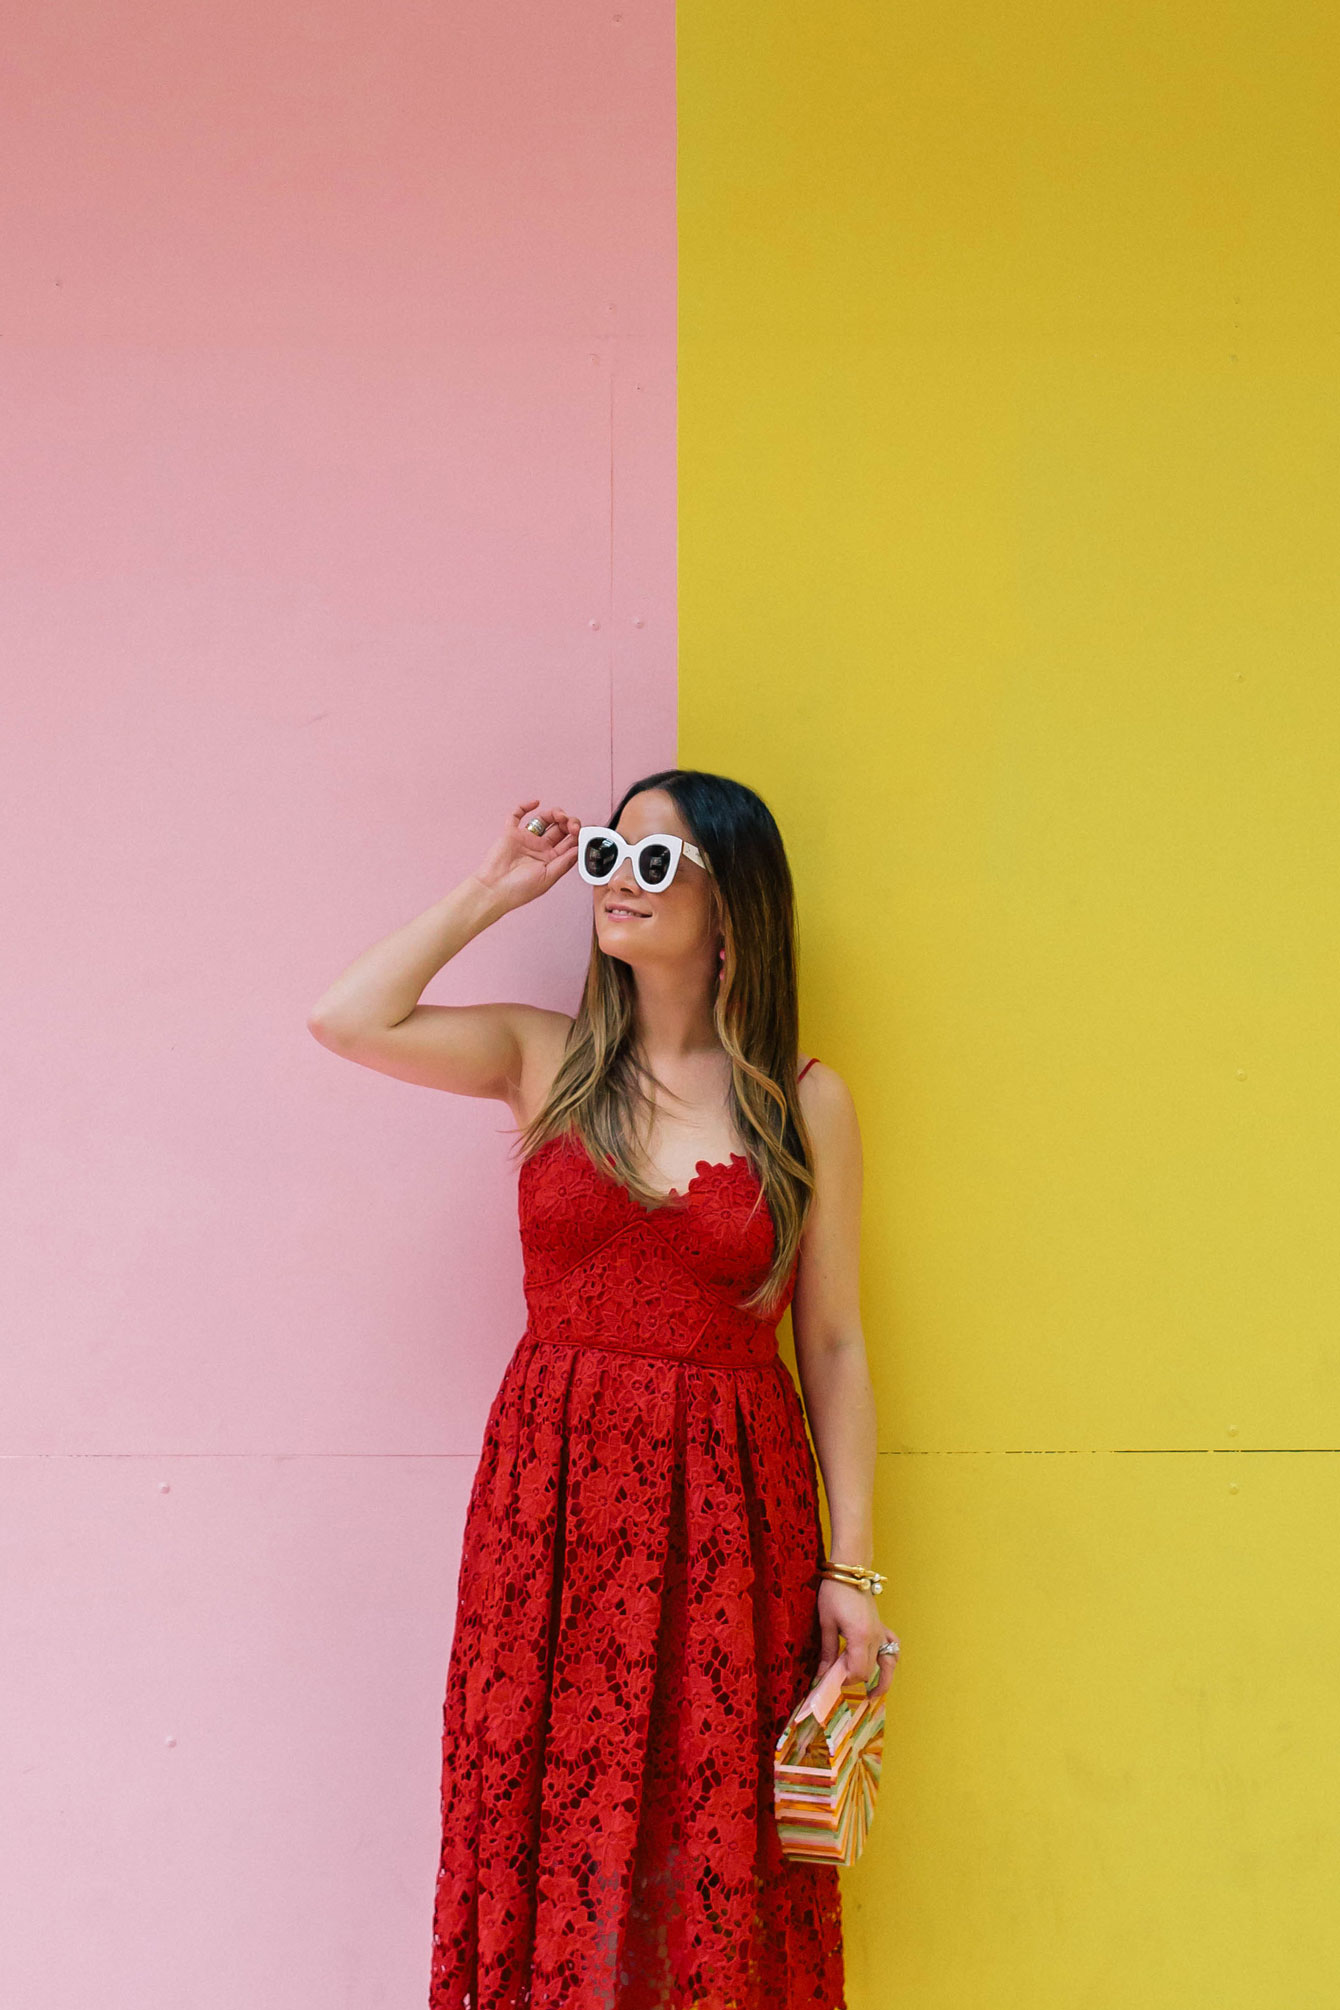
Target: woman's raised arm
[[371, 1013]]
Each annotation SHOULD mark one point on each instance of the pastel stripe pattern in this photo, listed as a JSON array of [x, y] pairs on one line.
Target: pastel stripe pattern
[[827, 1771]]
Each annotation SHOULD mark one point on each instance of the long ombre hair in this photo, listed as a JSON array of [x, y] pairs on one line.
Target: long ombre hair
[[599, 1095]]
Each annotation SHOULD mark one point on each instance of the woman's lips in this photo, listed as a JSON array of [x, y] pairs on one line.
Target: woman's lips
[[626, 914]]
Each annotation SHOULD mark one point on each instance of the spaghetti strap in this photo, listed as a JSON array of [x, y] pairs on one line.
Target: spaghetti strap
[[806, 1069]]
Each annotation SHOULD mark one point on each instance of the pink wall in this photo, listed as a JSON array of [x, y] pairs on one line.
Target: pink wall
[[338, 497]]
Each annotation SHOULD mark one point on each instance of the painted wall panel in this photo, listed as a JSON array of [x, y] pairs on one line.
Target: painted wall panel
[[1009, 493], [220, 1753], [337, 512], [1041, 576], [1111, 1775], [236, 800]]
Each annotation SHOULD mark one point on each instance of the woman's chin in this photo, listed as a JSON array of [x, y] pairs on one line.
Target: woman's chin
[[629, 942]]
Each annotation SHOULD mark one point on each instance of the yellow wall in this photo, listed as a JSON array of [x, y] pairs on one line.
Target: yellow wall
[[1008, 476]]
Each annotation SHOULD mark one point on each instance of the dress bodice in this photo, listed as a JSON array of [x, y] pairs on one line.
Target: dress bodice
[[604, 1270]]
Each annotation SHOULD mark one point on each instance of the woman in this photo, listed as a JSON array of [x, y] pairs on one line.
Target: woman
[[640, 1601]]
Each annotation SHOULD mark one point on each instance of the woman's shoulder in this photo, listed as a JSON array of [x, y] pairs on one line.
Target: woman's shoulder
[[814, 1073], [825, 1100]]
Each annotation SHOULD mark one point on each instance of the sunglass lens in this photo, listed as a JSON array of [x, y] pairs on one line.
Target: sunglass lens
[[601, 857], [655, 863]]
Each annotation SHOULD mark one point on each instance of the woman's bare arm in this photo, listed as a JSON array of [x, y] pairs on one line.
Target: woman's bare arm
[[834, 1372], [371, 1013]]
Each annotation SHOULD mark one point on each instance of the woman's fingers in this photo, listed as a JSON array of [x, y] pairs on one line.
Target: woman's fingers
[[861, 1661], [537, 844], [558, 847], [558, 824], [562, 859], [887, 1664], [883, 1665], [864, 1660], [852, 1618]]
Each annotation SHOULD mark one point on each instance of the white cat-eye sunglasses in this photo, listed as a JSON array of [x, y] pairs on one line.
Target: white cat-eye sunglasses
[[655, 859]]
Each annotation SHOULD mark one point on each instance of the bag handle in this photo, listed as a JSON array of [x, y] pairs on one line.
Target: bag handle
[[823, 1696]]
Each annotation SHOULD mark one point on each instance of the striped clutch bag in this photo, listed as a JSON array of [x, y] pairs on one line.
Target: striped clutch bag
[[826, 1770]]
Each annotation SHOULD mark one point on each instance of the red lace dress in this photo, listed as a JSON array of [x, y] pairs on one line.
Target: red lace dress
[[636, 1620]]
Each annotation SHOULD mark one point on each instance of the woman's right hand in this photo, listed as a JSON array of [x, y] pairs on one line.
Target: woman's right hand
[[521, 865]]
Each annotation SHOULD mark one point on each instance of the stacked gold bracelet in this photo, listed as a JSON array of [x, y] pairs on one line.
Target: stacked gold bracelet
[[853, 1573]]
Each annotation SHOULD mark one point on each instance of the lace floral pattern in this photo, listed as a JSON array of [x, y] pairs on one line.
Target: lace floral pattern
[[636, 1619]]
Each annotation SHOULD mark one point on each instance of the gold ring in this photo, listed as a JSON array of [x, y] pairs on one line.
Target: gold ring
[[538, 825]]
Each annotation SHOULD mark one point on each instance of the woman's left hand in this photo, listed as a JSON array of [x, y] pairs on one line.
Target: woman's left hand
[[853, 1614]]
